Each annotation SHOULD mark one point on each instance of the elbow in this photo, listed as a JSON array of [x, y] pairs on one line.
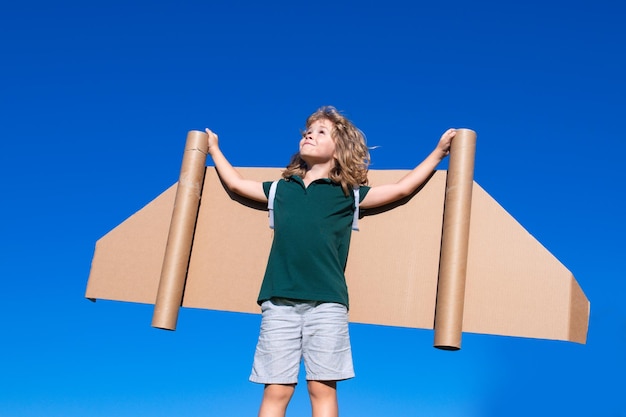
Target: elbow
[[235, 188], [403, 192], [233, 183]]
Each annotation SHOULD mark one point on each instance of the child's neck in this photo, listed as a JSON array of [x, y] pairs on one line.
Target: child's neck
[[316, 172]]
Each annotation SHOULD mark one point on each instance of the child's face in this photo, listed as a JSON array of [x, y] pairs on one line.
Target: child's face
[[317, 145]]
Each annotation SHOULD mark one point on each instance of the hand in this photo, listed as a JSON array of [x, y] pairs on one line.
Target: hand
[[213, 140], [446, 141]]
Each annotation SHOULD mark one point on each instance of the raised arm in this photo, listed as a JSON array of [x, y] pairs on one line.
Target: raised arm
[[230, 176], [388, 193]]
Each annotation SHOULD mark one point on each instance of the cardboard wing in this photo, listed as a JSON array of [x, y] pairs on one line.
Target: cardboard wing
[[513, 285]]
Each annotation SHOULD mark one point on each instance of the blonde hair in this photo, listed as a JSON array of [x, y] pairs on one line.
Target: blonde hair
[[352, 155]]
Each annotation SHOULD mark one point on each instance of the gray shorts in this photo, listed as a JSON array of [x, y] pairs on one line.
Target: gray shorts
[[295, 330]]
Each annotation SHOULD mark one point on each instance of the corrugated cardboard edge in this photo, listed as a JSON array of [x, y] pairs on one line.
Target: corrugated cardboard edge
[[579, 313]]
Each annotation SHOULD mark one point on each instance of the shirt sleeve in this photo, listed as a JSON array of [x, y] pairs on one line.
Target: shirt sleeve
[[363, 190], [266, 188]]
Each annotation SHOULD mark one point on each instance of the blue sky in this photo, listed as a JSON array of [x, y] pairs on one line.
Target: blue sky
[[96, 99]]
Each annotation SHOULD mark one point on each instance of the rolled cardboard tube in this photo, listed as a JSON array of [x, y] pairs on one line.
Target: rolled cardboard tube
[[454, 242], [180, 237]]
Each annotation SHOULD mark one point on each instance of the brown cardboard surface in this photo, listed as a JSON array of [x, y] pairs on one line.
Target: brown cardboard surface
[[127, 262], [513, 285]]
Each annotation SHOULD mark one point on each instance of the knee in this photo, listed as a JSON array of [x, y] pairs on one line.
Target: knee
[[278, 393], [323, 395], [322, 390]]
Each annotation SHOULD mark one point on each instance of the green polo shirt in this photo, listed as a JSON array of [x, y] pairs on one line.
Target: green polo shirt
[[312, 229]]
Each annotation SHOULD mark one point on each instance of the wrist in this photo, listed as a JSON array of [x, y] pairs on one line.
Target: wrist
[[439, 154], [213, 150]]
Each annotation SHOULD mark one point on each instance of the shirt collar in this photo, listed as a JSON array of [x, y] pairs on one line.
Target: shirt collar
[[300, 181]]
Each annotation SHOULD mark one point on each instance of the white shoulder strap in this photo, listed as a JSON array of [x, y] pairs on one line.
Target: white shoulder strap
[[355, 219], [270, 202]]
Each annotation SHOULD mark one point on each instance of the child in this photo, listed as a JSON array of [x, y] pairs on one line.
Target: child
[[304, 298]]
